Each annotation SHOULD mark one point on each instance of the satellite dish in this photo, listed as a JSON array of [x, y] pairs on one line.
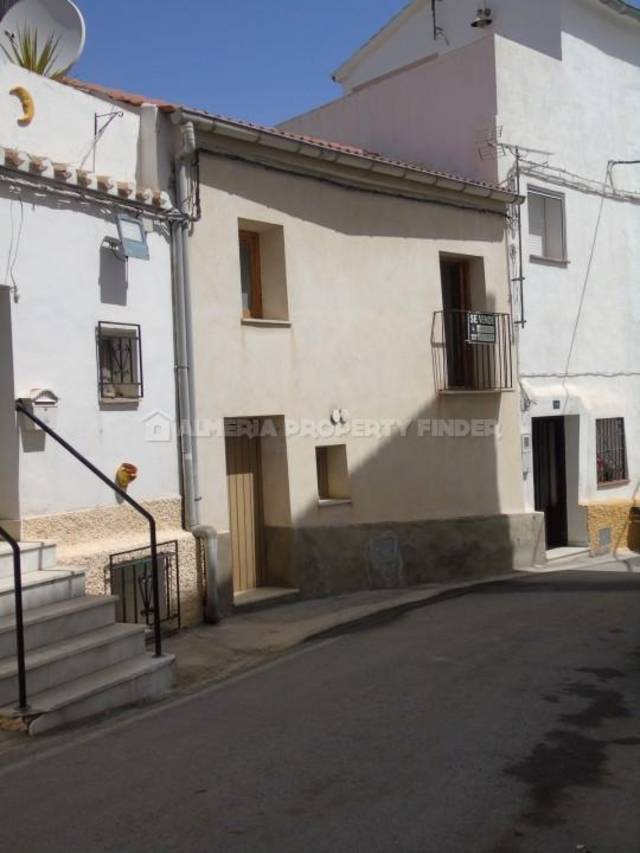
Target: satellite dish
[[57, 22]]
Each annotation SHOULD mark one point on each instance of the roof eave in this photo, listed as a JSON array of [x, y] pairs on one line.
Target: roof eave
[[311, 150]]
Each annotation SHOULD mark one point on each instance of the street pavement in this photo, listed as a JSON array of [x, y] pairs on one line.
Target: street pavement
[[502, 721]]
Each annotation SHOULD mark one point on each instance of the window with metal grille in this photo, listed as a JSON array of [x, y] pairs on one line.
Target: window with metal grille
[[611, 451], [129, 576], [119, 361]]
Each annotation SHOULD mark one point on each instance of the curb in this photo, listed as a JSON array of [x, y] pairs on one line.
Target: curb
[[382, 612]]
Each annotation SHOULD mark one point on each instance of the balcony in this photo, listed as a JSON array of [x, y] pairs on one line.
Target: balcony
[[471, 351]]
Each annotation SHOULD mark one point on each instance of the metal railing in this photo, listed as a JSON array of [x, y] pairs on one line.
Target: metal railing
[[129, 576], [22, 705], [23, 410], [472, 351]]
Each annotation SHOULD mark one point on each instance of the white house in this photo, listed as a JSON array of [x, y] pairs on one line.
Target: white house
[[543, 96], [87, 338]]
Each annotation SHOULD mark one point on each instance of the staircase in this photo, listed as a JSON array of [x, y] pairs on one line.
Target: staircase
[[80, 662]]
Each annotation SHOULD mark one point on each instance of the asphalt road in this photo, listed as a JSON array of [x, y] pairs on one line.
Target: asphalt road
[[504, 721]]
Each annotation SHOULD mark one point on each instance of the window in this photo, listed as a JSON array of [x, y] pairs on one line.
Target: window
[[333, 473], [547, 226], [119, 362], [250, 274], [263, 273], [611, 452]]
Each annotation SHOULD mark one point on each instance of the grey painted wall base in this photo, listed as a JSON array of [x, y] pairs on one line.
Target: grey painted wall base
[[327, 560]]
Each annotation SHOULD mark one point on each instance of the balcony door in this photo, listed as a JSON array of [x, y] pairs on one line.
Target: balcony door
[[456, 302]]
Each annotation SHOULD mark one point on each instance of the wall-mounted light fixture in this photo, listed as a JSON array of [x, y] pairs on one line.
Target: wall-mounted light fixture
[[132, 239], [482, 19]]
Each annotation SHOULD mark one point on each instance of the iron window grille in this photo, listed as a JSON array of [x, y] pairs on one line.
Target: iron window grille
[[611, 450], [129, 576], [120, 361]]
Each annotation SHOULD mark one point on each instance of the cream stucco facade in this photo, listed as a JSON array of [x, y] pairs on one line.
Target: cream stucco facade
[[363, 285]]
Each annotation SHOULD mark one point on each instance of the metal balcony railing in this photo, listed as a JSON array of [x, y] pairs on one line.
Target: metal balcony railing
[[472, 351]]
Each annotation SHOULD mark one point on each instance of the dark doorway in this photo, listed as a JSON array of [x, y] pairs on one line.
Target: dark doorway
[[550, 477]]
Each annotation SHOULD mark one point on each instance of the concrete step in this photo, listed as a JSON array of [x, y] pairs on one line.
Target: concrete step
[[33, 556], [568, 553], [55, 664], [59, 621], [42, 587], [127, 683]]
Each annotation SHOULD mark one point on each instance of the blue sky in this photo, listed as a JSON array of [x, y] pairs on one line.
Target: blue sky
[[263, 60]]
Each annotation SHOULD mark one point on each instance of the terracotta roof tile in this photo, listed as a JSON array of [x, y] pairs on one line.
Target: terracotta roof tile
[[135, 100], [118, 94]]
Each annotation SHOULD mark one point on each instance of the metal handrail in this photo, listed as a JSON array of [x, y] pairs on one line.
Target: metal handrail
[[20, 407], [22, 705]]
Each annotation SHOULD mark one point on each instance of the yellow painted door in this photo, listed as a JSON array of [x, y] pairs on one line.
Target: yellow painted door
[[244, 482]]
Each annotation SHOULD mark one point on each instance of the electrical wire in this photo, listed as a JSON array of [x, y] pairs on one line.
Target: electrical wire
[[14, 248]]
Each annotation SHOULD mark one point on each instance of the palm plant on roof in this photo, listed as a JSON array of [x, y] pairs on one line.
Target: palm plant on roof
[[29, 52]]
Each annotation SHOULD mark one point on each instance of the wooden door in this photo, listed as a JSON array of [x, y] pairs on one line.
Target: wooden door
[[550, 479], [244, 483], [456, 302]]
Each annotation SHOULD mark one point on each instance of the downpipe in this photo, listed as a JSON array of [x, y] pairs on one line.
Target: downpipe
[[209, 538], [185, 379]]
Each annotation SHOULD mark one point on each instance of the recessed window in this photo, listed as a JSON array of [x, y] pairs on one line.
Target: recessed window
[[119, 362], [250, 274], [333, 472], [263, 271], [547, 232], [611, 451]]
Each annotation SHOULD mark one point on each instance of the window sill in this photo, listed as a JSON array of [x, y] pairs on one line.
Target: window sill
[[611, 484], [456, 392], [325, 502], [552, 262], [265, 323], [120, 401]]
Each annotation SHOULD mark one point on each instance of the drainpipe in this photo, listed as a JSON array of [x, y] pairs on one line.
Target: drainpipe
[[185, 380]]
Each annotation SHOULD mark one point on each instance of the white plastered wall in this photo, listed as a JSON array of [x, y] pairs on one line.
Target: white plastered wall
[[363, 282], [66, 281]]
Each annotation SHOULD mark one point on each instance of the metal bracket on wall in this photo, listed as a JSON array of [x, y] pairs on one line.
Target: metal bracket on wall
[[99, 128]]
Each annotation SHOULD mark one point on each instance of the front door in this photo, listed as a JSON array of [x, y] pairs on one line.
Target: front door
[[244, 484], [456, 302], [550, 478]]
